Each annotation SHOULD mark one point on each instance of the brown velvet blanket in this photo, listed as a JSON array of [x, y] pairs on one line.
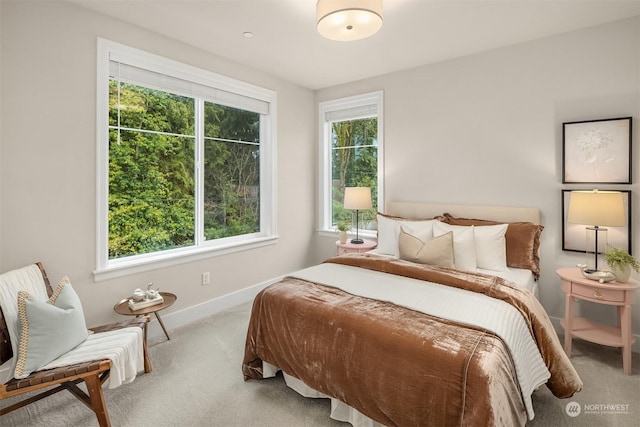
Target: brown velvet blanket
[[395, 365]]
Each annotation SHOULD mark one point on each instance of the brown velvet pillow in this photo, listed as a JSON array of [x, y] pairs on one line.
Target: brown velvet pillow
[[522, 241]]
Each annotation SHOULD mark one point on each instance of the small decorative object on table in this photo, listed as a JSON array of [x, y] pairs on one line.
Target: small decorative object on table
[[142, 299], [621, 263], [343, 227], [602, 276]]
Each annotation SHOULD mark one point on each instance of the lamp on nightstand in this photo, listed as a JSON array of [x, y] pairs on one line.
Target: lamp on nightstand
[[596, 209], [357, 198]]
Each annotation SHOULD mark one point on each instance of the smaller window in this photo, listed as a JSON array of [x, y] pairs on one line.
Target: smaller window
[[351, 138]]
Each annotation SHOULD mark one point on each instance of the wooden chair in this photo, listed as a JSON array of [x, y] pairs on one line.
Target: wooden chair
[[51, 381]]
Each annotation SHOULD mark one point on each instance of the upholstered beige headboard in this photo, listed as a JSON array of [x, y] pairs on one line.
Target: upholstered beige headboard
[[493, 213]]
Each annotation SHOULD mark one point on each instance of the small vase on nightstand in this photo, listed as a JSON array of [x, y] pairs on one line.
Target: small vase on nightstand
[[621, 263], [622, 273], [343, 236]]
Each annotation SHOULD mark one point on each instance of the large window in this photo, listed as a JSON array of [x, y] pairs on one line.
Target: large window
[[185, 161], [351, 136]]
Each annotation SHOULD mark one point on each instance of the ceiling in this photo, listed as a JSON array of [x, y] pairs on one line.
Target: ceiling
[[414, 33]]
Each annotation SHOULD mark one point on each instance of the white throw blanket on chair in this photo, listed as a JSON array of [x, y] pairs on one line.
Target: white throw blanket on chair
[[124, 347]]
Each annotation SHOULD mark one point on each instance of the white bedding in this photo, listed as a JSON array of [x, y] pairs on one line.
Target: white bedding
[[519, 276], [442, 301]]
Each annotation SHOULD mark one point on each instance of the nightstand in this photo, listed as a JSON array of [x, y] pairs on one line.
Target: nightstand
[[621, 295], [349, 248]]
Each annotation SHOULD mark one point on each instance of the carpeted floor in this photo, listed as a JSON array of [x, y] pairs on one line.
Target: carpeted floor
[[197, 381]]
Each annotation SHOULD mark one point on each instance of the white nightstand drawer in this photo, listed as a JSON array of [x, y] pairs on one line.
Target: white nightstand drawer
[[599, 294]]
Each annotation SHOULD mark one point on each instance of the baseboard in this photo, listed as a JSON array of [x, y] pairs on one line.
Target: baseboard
[[560, 331], [205, 309]]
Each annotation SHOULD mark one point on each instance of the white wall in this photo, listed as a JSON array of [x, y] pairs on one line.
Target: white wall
[[48, 143], [487, 129], [482, 129]]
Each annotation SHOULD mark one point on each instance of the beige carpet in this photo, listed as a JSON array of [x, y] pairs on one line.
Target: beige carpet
[[197, 381]]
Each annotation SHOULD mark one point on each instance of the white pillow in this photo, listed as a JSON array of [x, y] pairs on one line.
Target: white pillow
[[491, 246], [464, 245], [389, 230]]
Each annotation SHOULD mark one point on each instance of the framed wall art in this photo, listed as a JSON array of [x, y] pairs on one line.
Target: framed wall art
[[597, 151], [574, 236]]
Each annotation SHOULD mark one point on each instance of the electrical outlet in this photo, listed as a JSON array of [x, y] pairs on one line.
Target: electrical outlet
[[206, 279]]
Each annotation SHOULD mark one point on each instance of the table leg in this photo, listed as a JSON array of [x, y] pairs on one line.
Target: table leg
[[162, 324], [625, 327], [147, 361], [568, 323]]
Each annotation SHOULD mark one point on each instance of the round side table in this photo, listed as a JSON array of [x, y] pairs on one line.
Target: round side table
[[123, 308]]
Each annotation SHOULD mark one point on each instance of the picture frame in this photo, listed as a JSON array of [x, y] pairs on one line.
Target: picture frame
[[597, 151], [574, 235]]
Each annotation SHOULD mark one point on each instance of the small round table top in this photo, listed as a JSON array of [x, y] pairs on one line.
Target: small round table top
[[365, 245], [123, 306]]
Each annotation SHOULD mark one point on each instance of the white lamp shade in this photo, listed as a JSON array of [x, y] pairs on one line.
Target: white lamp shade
[[347, 20], [357, 198], [597, 208]]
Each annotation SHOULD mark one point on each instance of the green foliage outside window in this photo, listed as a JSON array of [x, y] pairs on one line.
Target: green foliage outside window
[[354, 164], [152, 145]]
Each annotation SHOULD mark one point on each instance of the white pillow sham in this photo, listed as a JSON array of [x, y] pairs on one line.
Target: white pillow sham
[[491, 246], [464, 246], [389, 230], [474, 246], [488, 250]]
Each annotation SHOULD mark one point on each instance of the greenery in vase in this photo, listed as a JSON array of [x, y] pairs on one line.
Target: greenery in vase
[[343, 226], [619, 257]]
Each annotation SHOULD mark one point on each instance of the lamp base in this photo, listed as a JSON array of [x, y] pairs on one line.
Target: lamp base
[[357, 241]]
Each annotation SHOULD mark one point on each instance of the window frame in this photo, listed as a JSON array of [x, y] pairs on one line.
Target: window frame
[[348, 108], [109, 268]]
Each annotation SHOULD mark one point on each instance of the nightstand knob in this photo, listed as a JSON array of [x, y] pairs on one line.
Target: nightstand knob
[[597, 294]]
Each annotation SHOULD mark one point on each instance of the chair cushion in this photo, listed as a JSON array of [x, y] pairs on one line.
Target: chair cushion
[[48, 329]]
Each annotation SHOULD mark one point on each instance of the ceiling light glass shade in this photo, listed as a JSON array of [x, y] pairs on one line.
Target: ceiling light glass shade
[[347, 20]]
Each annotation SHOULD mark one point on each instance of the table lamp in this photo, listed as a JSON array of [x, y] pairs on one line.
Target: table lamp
[[357, 198], [596, 209]]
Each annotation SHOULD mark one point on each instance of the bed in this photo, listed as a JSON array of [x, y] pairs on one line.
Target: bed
[[423, 330]]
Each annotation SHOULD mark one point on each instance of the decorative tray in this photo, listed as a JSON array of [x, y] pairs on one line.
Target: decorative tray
[[147, 302]]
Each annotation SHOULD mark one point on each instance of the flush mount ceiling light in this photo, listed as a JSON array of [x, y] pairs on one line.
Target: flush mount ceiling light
[[347, 20]]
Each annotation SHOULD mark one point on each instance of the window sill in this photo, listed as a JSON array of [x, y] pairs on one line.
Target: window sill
[[367, 234], [175, 258]]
